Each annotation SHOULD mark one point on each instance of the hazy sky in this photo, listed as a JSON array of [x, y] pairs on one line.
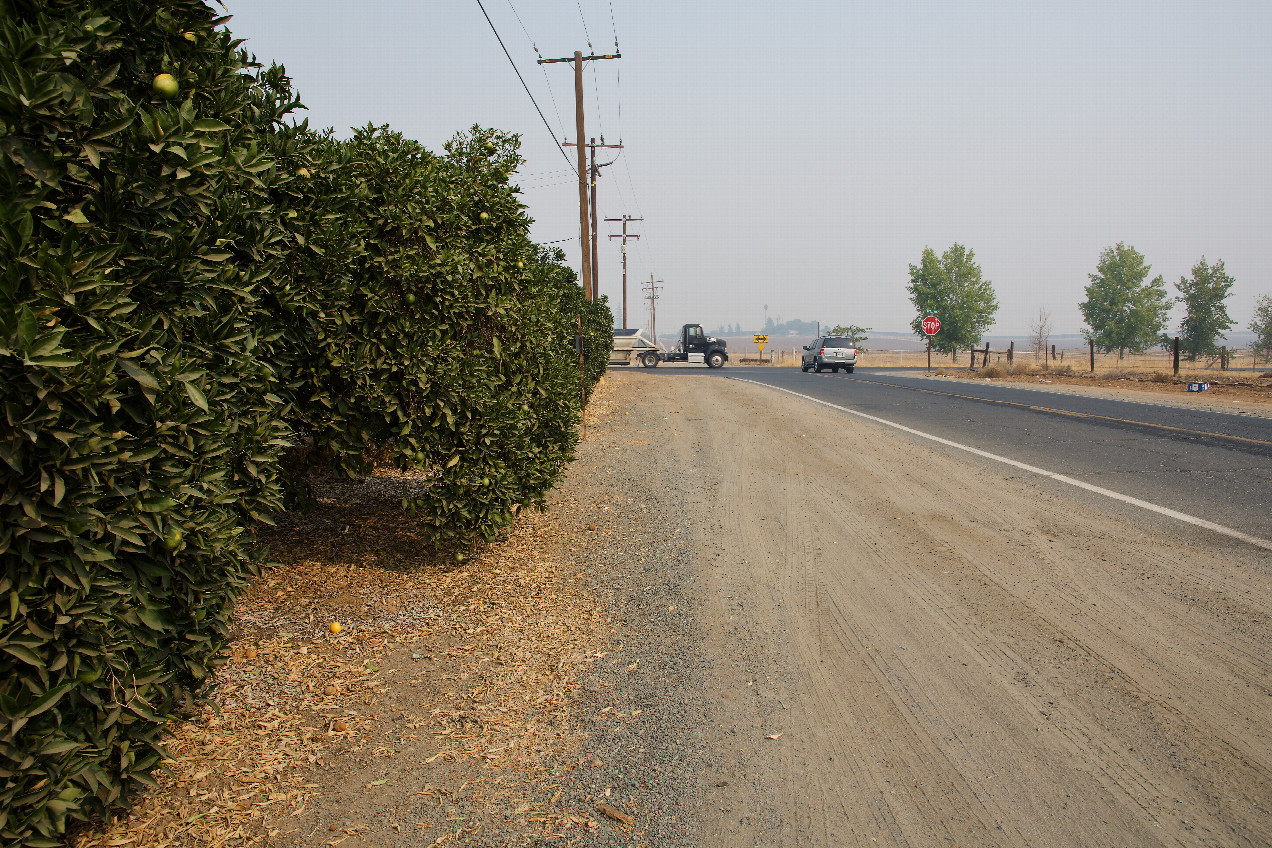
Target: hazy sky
[[802, 154]]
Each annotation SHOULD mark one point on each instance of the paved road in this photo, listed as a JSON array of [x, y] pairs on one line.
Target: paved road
[[1212, 465]]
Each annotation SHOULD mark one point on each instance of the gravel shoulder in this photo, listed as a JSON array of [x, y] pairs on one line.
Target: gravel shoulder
[[727, 632]]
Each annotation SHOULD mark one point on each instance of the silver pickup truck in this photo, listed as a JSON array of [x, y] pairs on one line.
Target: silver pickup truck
[[829, 352]]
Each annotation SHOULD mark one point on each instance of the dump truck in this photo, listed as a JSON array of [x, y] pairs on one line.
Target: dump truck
[[694, 346], [629, 345]]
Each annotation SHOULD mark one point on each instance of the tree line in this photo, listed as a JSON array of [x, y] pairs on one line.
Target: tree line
[[1124, 310], [202, 300]]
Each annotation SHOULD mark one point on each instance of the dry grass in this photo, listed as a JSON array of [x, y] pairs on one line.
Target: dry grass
[[1227, 387], [1009, 369]]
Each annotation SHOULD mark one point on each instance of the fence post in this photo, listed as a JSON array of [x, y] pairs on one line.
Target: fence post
[[1092, 357], [1053, 353], [1176, 356], [1223, 358], [972, 364], [1011, 352]]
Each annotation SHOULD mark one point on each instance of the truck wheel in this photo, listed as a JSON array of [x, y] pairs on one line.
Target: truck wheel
[[715, 360], [803, 367], [849, 369], [649, 360], [816, 367]]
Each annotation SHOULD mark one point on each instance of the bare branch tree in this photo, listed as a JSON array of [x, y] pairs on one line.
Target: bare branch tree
[[1040, 332]]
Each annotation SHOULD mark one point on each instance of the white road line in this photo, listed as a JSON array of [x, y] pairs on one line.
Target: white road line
[[1042, 472]]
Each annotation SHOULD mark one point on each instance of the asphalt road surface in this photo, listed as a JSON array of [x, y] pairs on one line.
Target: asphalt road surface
[[1064, 639], [1211, 465]]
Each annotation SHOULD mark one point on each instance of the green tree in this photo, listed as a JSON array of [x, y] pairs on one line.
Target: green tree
[[1206, 316], [1122, 311], [952, 288], [852, 332], [139, 426], [432, 331], [1261, 326]]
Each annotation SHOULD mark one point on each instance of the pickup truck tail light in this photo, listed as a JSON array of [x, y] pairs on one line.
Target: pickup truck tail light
[[821, 352]]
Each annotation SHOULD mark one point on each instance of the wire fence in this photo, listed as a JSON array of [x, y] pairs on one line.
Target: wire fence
[[1078, 359]]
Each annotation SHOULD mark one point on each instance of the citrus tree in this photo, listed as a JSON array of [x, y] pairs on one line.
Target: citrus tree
[[191, 285], [429, 333], [139, 433]]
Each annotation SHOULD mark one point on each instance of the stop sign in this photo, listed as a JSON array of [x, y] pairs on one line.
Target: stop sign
[[931, 325]]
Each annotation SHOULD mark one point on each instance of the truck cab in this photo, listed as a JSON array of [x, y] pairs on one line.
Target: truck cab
[[693, 339], [694, 346]]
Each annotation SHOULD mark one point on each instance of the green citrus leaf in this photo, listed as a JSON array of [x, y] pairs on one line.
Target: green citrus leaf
[[200, 400]]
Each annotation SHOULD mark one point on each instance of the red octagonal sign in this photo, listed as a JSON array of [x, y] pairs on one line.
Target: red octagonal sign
[[931, 325]]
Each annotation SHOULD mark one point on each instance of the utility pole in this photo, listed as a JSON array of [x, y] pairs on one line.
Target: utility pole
[[652, 297], [595, 173], [591, 178], [625, 236], [578, 59]]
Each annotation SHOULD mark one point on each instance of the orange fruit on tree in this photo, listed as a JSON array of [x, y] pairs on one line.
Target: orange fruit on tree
[[166, 86]]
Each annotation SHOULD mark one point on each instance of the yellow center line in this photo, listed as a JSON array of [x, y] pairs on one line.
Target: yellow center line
[[1071, 413]]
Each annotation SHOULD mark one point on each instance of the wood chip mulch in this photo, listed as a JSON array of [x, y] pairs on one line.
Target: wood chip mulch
[[440, 713]]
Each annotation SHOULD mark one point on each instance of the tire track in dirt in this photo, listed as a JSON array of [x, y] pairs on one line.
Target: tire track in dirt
[[873, 776]]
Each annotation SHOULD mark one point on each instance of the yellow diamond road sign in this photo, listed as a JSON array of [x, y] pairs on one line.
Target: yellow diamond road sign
[[760, 339]]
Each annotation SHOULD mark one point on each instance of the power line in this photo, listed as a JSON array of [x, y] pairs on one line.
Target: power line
[[586, 34], [539, 186], [596, 94], [535, 47], [523, 26], [552, 95], [632, 184], [523, 82], [559, 173]]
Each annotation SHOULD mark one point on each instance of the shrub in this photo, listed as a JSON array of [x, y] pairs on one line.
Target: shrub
[[139, 433], [1008, 369], [432, 334]]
